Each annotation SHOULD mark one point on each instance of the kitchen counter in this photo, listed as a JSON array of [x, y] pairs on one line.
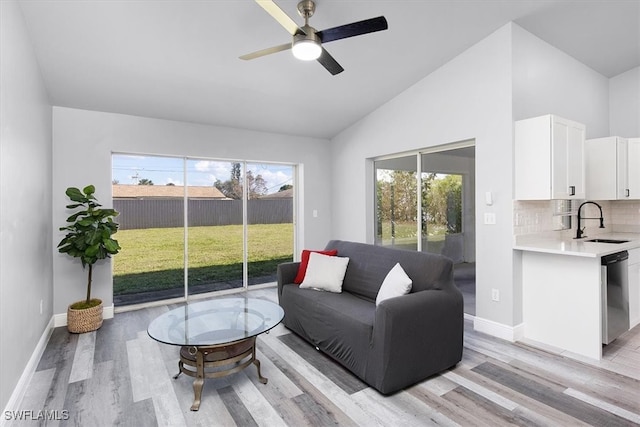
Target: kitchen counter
[[562, 245], [561, 289]]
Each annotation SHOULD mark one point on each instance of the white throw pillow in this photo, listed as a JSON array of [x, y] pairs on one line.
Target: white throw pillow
[[325, 272], [396, 283]]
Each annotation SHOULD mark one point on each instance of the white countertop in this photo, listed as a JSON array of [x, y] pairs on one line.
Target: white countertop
[[563, 245]]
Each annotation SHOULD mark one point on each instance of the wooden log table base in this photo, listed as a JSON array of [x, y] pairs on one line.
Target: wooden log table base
[[216, 361]]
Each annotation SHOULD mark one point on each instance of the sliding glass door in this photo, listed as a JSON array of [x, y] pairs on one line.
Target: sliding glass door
[[396, 202], [215, 242], [147, 193], [421, 201], [239, 225], [442, 213], [270, 220]]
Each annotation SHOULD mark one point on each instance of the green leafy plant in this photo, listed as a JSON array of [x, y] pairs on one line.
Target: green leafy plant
[[89, 234]]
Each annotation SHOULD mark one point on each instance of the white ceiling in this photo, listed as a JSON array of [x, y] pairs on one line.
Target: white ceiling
[[178, 60]]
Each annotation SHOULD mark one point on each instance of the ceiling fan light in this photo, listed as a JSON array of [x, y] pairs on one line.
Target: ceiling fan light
[[306, 48]]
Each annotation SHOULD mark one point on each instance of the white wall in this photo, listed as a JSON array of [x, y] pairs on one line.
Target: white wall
[[84, 140], [548, 81], [25, 201], [624, 104], [468, 98]]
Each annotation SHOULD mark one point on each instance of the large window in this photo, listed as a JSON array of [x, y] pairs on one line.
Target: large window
[[239, 225]]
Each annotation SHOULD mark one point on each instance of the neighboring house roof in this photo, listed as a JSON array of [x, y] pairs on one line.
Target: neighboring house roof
[[285, 194], [121, 191]]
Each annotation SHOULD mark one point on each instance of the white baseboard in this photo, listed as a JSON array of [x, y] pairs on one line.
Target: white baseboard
[[499, 330], [21, 388], [60, 319]]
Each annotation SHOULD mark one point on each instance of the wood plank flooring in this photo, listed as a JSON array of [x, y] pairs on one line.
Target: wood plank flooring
[[119, 376]]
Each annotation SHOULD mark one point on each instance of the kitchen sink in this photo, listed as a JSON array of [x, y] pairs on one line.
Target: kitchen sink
[[607, 241]]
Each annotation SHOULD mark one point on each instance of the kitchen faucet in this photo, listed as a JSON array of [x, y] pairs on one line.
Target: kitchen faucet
[[580, 230]]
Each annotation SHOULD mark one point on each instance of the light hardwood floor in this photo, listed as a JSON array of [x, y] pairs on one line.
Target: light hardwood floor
[[119, 376]]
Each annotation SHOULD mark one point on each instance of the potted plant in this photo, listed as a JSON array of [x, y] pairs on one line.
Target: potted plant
[[89, 237]]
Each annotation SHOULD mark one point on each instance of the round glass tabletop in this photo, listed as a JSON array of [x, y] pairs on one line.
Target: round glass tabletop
[[217, 321]]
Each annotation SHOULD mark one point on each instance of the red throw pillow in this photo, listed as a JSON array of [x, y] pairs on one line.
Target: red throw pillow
[[304, 261]]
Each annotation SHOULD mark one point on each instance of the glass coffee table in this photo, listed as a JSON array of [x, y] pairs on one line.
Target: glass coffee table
[[216, 337]]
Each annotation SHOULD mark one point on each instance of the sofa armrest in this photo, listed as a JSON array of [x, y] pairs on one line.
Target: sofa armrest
[[287, 272], [416, 336]]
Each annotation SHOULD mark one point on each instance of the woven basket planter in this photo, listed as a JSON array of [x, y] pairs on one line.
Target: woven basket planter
[[86, 320]]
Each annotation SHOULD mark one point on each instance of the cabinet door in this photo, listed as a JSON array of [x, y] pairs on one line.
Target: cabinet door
[[532, 154], [601, 164], [622, 174], [567, 180], [634, 287], [575, 162], [633, 165]]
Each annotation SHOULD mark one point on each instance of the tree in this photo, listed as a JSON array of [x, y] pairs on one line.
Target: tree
[[232, 188], [441, 198], [145, 181], [115, 182], [257, 186], [236, 172], [397, 197], [170, 184], [285, 188], [443, 202]]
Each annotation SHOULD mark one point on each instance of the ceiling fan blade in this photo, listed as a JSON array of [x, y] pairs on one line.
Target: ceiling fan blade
[[354, 29], [279, 15], [267, 51], [329, 63]]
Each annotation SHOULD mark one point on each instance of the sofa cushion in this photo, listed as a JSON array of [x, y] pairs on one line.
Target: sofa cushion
[[341, 325], [325, 272], [396, 284], [304, 261]]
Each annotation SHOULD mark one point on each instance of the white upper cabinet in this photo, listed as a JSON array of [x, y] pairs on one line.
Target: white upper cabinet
[[612, 168], [549, 159]]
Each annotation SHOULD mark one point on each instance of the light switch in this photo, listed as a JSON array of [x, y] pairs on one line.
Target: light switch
[[488, 198], [315, 213], [489, 218]]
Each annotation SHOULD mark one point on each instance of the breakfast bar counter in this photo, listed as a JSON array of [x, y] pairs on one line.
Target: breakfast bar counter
[[562, 290]]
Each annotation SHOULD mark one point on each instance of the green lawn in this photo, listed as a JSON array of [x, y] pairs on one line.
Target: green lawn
[[153, 259]]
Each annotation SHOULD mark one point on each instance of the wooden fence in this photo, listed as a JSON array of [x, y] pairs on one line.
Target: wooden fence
[[164, 213]]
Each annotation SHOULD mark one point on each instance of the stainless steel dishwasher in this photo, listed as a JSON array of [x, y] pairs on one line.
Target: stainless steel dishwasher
[[615, 296]]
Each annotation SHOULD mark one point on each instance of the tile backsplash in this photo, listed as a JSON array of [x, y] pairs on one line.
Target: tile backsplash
[[625, 212], [540, 216]]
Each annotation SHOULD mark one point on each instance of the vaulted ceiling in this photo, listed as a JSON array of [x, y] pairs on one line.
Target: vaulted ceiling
[[178, 60]]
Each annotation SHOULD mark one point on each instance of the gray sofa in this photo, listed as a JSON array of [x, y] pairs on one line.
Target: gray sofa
[[394, 345]]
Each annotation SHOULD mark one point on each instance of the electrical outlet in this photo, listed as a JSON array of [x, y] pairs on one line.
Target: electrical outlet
[[495, 295], [41, 306], [489, 218]]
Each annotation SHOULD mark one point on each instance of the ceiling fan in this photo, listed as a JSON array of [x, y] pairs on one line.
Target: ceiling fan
[[307, 41]]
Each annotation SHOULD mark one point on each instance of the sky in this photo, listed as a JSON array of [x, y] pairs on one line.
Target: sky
[[129, 169]]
